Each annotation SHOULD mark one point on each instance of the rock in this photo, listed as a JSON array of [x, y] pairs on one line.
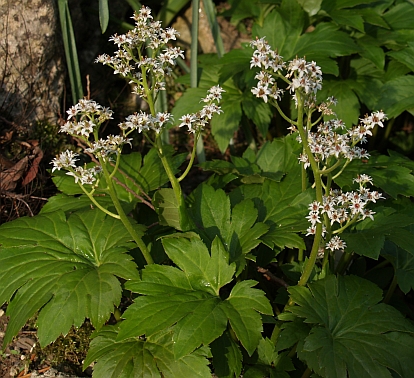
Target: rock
[[31, 61], [232, 38]]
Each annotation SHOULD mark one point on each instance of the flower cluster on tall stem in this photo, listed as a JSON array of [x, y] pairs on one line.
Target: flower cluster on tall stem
[[148, 73], [327, 150]]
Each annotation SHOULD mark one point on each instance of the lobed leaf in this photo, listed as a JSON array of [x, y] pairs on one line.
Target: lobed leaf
[[393, 174], [242, 309], [64, 265], [351, 334], [227, 357], [238, 228], [188, 299], [136, 358]]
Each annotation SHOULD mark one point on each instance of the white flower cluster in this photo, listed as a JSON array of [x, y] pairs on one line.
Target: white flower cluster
[[85, 175], [145, 122], [342, 208], [306, 76], [327, 141], [196, 122], [67, 160], [83, 118], [111, 145], [133, 42]]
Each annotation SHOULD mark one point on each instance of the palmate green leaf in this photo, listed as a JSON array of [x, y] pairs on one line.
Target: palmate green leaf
[[368, 90], [282, 28], [64, 266], [352, 335], [341, 4], [373, 16], [238, 227], [326, 39], [282, 206], [294, 330], [267, 362], [143, 176], [243, 9], [347, 108], [290, 41], [369, 236], [226, 124], [136, 358], [397, 96], [280, 155], [348, 18], [371, 50], [247, 168], [312, 7], [393, 174], [404, 56], [227, 357], [242, 309], [400, 16], [365, 243], [233, 62], [258, 111], [69, 204], [399, 250], [187, 298], [166, 205]]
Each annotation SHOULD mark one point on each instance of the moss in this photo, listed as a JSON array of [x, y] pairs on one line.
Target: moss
[[67, 352]]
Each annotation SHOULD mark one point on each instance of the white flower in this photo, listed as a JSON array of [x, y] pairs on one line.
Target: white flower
[[363, 179], [187, 120], [336, 243], [261, 92], [65, 160]]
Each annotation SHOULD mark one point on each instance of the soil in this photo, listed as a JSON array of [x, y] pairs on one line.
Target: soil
[[23, 358]]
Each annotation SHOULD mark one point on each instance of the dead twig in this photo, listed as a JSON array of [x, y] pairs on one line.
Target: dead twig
[[136, 195], [271, 277]]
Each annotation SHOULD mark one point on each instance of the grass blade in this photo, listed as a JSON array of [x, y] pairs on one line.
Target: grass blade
[[103, 14], [69, 44]]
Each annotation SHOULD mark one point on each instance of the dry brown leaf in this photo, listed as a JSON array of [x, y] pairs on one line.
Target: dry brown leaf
[[9, 177], [34, 168]]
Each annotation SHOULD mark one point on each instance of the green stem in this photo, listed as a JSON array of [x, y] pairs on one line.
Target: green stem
[[148, 92], [93, 200], [343, 228], [319, 194], [185, 221], [330, 169], [342, 169], [344, 262], [173, 180], [201, 155], [123, 217], [292, 352], [276, 105], [317, 121], [391, 289], [190, 164], [380, 265], [118, 159]]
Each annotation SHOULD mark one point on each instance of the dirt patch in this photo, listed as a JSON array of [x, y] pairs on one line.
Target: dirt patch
[[23, 357]]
